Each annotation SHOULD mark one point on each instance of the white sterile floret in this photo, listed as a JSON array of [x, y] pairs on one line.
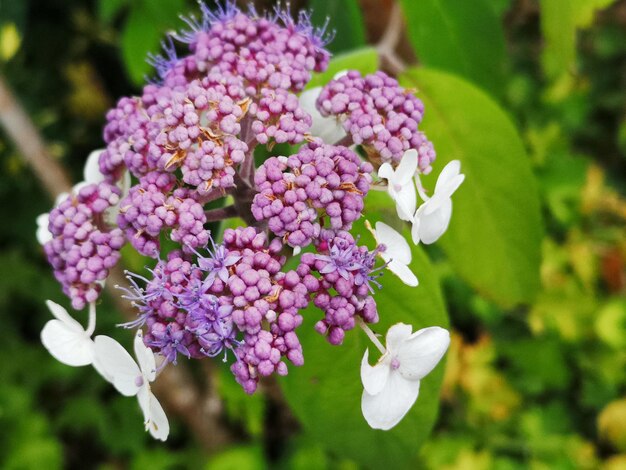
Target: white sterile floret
[[392, 385], [432, 218], [131, 379], [400, 183], [91, 170], [43, 234], [329, 129], [397, 253], [67, 341]]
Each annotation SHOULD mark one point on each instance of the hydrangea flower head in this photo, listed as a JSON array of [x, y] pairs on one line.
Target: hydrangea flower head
[[185, 153]]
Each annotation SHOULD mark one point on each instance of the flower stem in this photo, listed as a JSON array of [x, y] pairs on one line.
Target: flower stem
[[247, 169], [372, 336], [91, 325], [213, 215]]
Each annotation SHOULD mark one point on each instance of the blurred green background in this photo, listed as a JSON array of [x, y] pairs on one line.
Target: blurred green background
[[530, 95]]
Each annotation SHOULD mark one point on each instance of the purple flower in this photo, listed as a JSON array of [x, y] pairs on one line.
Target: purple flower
[[217, 264], [83, 248], [319, 182], [379, 114], [170, 340], [151, 207], [344, 289], [266, 51]]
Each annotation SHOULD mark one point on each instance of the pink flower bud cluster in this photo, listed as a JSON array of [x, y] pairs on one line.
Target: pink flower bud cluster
[[278, 116], [179, 313], [154, 206], [296, 194], [83, 250], [346, 273], [379, 114], [195, 127], [266, 303], [239, 289], [267, 51], [189, 140]]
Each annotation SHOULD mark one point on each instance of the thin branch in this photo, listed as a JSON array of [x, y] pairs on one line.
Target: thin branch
[[213, 195], [21, 130], [247, 170], [345, 141], [393, 32], [388, 43], [175, 385], [221, 213]]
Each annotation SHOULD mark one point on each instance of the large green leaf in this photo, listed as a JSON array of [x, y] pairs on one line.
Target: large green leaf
[[462, 37], [108, 9], [364, 60], [325, 393], [344, 19], [494, 237], [560, 20], [145, 28]]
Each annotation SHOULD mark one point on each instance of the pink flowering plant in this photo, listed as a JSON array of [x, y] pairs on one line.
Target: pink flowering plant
[[244, 251]]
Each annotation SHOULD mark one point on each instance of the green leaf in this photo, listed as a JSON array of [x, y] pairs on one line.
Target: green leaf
[[144, 29], [465, 38], [500, 7], [325, 394], [560, 19], [495, 233], [364, 60], [344, 18], [248, 411], [236, 458], [108, 9]]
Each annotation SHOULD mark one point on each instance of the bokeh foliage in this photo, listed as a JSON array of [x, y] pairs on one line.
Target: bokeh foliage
[[528, 95]]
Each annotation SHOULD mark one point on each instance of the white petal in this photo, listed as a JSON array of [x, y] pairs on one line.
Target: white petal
[[397, 247], [91, 172], [406, 168], [433, 204], [99, 368], [385, 409], [327, 128], [67, 345], [374, 378], [145, 357], [396, 335], [308, 99], [420, 188], [386, 171], [61, 314], [118, 364], [403, 272], [415, 230], [422, 352], [43, 234], [155, 418], [406, 201], [449, 189], [449, 172], [434, 225]]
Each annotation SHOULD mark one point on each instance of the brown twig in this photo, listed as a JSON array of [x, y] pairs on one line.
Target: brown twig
[[221, 213], [175, 385], [389, 41], [21, 130]]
